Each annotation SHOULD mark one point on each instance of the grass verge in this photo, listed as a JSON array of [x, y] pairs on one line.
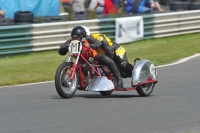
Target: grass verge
[[41, 66]]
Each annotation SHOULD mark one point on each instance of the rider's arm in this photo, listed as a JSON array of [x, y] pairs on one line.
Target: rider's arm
[[64, 48], [94, 44]]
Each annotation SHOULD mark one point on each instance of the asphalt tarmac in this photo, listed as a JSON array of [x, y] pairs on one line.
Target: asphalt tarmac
[[173, 107]]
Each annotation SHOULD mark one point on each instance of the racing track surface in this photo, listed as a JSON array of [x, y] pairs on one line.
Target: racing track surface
[[173, 107]]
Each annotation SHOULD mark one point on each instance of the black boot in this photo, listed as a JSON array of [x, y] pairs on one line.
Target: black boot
[[119, 84]]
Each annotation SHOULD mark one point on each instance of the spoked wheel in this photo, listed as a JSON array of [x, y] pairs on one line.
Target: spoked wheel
[[145, 89], [64, 87]]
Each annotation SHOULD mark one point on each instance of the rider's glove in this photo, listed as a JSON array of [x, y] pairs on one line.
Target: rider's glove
[[64, 48]]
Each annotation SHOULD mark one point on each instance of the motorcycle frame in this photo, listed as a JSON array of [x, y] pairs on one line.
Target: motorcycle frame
[[77, 66], [149, 80]]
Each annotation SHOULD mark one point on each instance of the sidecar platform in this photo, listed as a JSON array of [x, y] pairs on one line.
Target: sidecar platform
[[126, 88], [130, 88]]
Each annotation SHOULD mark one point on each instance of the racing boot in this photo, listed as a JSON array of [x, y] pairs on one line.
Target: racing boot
[[119, 84]]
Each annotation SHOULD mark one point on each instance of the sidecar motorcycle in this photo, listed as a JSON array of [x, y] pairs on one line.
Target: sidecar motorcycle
[[80, 71]]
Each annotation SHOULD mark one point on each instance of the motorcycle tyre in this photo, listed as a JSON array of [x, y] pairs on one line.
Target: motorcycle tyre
[[106, 93], [147, 91], [58, 85]]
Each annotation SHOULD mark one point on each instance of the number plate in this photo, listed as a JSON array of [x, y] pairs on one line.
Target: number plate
[[75, 47]]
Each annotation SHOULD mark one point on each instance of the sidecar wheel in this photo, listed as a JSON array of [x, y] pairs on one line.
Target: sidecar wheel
[[106, 93], [145, 89], [65, 88]]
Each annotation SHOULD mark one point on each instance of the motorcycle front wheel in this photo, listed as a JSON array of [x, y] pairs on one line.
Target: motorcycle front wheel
[[64, 87]]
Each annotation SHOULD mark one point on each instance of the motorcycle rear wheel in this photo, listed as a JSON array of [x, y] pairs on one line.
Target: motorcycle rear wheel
[[65, 88], [145, 89]]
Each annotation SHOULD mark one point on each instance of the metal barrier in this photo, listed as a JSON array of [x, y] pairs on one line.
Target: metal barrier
[[171, 24], [39, 37], [49, 36]]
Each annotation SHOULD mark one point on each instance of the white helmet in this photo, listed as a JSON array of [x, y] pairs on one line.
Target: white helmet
[[86, 29]]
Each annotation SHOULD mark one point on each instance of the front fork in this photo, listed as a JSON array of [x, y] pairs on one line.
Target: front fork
[[74, 67], [77, 66]]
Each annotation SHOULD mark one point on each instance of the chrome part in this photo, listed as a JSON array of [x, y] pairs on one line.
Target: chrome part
[[64, 80], [77, 59], [70, 59], [91, 59], [142, 70], [100, 83], [67, 86]]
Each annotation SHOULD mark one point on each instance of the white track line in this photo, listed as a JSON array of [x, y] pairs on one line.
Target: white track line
[[175, 63], [26, 84], [180, 61]]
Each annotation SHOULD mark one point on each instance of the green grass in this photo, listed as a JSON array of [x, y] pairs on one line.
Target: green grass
[[41, 66]]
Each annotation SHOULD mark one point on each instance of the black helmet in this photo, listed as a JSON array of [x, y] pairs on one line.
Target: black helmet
[[78, 32]]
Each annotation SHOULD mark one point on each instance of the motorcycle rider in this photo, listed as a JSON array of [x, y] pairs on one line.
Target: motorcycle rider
[[79, 33], [113, 50]]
